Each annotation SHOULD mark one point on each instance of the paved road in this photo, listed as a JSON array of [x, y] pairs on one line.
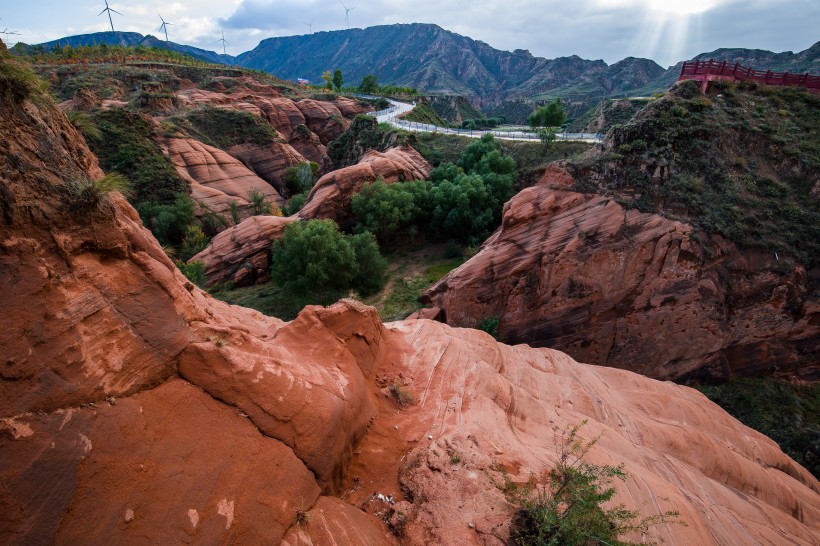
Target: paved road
[[392, 115]]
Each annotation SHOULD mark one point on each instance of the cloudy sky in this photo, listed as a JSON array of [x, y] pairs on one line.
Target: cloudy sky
[[664, 30]]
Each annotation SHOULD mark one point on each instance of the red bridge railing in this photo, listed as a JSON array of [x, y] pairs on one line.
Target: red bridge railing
[[712, 70]]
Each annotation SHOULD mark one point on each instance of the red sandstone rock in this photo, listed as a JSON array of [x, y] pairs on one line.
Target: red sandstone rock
[[240, 253], [101, 438], [216, 178], [631, 290], [330, 197], [270, 163], [323, 118]]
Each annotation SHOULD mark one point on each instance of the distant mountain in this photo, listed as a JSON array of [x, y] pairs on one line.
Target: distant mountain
[[441, 62], [134, 39]]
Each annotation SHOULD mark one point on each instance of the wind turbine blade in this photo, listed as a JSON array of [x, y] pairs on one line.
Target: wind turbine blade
[[103, 11], [115, 11]]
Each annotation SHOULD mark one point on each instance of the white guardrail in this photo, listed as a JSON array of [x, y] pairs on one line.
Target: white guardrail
[[391, 116]]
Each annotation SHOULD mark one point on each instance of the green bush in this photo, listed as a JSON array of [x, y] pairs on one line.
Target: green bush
[[384, 210], [193, 242], [224, 128], [295, 204], [489, 325], [301, 178], [168, 222], [315, 258], [567, 508], [194, 271]]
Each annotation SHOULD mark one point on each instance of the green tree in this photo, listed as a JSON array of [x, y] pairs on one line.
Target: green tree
[[168, 222], [328, 77], [193, 242], [371, 271], [315, 259], [547, 120], [370, 84], [302, 177], [384, 210], [462, 209], [338, 80]]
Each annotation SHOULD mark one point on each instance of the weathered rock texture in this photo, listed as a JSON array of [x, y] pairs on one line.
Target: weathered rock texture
[[216, 177], [240, 254], [330, 197], [134, 408], [631, 290], [271, 163]]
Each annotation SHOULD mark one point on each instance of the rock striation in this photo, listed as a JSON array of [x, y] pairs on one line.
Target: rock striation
[[330, 197], [621, 288], [216, 177], [240, 254], [136, 408]]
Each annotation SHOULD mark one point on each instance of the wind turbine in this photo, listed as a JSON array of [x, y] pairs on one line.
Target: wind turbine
[[309, 25], [347, 11], [6, 32], [224, 43], [164, 26], [109, 10]]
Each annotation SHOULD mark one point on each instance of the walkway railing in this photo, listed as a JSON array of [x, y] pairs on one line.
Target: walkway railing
[[722, 70]]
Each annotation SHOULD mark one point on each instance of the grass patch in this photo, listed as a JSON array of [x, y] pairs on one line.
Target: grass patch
[[17, 81], [424, 113], [224, 128]]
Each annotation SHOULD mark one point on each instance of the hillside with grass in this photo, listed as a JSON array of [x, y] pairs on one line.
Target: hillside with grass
[[742, 162]]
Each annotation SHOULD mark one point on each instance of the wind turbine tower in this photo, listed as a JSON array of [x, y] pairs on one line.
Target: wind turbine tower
[[347, 13], [109, 10], [164, 27], [224, 43], [309, 25]]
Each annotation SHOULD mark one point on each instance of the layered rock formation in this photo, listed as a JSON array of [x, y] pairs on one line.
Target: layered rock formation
[[135, 408], [330, 197], [631, 290], [240, 254], [216, 177]]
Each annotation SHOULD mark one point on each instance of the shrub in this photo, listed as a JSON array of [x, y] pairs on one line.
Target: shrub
[[193, 242], [259, 203], [567, 509], [168, 222], [400, 394], [384, 209], [315, 258], [301, 178], [194, 271], [84, 124], [489, 325], [462, 209], [296, 203]]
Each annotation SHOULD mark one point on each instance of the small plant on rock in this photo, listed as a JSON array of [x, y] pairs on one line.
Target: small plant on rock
[[401, 394], [567, 507], [88, 193]]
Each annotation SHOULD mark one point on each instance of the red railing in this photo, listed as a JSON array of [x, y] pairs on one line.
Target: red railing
[[723, 70]]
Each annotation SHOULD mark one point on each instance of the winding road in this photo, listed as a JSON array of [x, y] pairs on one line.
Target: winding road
[[392, 115]]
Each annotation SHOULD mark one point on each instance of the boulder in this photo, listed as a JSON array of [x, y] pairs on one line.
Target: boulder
[[270, 163]]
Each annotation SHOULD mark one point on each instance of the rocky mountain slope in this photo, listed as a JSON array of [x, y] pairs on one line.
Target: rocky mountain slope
[[135, 407], [686, 248], [440, 62]]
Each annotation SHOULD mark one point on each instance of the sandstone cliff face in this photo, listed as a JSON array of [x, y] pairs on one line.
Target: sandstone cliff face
[[135, 408], [216, 177], [631, 290]]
